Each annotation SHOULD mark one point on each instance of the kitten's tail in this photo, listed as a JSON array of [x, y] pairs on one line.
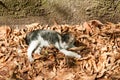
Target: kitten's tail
[[70, 53]]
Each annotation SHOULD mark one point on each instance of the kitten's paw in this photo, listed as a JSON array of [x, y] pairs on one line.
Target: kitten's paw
[[37, 53], [31, 60], [78, 56]]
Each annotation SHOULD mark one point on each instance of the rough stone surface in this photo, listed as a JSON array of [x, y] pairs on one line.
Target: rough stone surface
[[60, 11]]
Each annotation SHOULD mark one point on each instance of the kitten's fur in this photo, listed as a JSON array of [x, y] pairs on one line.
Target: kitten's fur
[[39, 38]]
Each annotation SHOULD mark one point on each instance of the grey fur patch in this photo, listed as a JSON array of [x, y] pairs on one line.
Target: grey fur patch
[[49, 35]]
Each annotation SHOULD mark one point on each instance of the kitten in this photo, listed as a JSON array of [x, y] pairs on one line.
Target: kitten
[[38, 39]]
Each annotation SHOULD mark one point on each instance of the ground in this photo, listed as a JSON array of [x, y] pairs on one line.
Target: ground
[[97, 43]]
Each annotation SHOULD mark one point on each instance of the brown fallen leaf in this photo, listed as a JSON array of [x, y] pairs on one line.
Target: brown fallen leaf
[[4, 31], [87, 27]]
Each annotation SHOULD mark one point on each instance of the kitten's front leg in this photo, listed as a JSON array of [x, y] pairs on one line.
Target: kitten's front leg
[[70, 53]]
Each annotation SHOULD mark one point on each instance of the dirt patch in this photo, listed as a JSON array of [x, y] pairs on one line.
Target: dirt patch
[[62, 12]]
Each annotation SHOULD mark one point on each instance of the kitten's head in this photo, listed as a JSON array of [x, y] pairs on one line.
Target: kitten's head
[[68, 40]]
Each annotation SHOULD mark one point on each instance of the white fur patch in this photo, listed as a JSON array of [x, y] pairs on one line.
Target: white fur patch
[[65, 46], [38, 50], [57, 45], [33, 45]]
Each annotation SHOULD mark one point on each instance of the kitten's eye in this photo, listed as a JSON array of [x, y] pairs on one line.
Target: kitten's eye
[[71, 43]]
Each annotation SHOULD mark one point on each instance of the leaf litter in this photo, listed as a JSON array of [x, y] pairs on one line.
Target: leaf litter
[[98, 43]]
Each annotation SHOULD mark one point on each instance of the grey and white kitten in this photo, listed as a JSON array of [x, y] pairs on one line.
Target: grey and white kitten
[[38, 39]]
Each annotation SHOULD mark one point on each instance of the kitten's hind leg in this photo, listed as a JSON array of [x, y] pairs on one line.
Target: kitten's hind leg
[[38, 50], [33, 45]]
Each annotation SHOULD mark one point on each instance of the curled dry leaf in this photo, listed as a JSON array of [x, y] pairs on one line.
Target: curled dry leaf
[[95, 23], [92, 26], [87, 27], [4, 31]]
